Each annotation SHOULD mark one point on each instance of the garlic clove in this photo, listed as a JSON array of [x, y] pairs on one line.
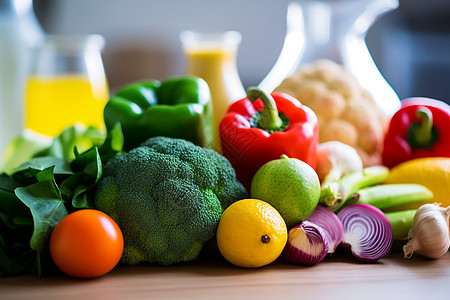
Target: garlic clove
[[307, 244], [429, 234]]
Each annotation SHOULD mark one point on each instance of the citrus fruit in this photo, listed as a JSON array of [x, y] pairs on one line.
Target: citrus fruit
[[251, 233], [290, 185], [432, 172]]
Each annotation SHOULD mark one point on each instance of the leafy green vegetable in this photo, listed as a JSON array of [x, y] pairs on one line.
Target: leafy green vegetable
[[40, 163], [88, 171], [45, 202], [42, 190], [22, 148], [74, 137], [30, 144]]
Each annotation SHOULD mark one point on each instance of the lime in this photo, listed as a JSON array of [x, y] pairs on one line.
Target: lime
[[290, 185], [251, 233]]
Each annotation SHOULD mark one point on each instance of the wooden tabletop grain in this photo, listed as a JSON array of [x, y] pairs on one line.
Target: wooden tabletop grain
[[338, 277]]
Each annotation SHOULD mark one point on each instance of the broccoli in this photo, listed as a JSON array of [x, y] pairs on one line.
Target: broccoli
[[167, 196]]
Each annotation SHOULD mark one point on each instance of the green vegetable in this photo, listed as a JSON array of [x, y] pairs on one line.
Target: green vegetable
[[167, 196], [336, 192], [30, 144], [179, 107], [42, 191], [391, 196], [401, 222], [22, 148]]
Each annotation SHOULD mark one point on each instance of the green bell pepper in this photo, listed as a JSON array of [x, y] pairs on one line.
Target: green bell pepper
[[179, 107]]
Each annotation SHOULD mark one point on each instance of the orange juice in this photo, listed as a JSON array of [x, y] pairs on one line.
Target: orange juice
[[54, 103], [216, 67], [212, 56]]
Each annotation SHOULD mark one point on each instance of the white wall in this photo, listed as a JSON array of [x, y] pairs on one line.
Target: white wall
[[149, 31], [142, 36]]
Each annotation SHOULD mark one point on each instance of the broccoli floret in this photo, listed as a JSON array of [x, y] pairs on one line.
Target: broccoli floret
[[167, 197]]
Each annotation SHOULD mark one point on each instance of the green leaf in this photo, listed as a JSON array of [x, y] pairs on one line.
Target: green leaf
[[88, 171], [89, 163], [74, 188], [44, 199], [47, 207], [12, 211], [74, 136], [22, 148], [8, 183], [113, 144], [16, 256], [23, 221], [5, 262], [41, 163], [82, 200]]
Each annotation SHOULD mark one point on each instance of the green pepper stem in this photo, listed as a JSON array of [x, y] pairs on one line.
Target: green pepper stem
[[421, 134], [270, 120]]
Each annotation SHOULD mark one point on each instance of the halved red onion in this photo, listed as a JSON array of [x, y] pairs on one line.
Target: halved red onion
[[307, 244], [367, 231], [330, 223]]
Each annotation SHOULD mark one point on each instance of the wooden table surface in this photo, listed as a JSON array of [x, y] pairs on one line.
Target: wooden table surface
[[338, 277]]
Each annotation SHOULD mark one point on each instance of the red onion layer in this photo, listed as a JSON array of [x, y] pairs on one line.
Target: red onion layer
[[307, 244], [367, 231], [330, 223]]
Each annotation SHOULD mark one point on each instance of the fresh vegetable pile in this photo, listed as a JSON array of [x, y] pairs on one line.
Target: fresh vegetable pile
[[167, 196], [149, 190], [43, 190]]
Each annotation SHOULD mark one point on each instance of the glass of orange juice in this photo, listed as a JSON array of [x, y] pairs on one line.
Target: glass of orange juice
[[67, 84]]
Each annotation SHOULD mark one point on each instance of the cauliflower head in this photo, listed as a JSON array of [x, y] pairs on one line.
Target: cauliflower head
[[346, 112], [167, 196]]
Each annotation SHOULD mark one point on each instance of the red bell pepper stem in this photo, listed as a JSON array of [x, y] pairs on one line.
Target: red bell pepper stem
[[422, 134], [269, 120]]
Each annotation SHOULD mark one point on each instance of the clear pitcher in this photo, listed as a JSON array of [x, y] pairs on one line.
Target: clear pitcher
[[212, 56], [334, 30], [66, 85]]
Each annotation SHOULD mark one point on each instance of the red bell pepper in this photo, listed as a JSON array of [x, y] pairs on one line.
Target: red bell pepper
[[262, 127], [420, 128]]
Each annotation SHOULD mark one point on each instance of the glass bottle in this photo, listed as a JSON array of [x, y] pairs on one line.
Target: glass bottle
[[334, 30], [19, 33], [67, 84], [212, 56]]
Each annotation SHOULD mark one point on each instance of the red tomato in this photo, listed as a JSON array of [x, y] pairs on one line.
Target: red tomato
[[86, 244]]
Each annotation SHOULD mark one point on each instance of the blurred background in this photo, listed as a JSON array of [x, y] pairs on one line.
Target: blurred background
[[410, 45]]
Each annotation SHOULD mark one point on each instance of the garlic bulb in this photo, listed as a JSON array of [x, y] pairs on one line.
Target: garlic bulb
[[429, 234]]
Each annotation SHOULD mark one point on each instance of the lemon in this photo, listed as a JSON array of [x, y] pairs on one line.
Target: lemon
[[432, 172], [290, 185], [251, 233]]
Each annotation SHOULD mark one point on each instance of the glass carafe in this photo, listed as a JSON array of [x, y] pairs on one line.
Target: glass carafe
[[334, 30], [67, 84], [19, 33], [212, 56]]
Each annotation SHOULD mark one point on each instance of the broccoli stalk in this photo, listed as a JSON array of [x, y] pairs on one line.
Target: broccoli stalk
[[167, 196]]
